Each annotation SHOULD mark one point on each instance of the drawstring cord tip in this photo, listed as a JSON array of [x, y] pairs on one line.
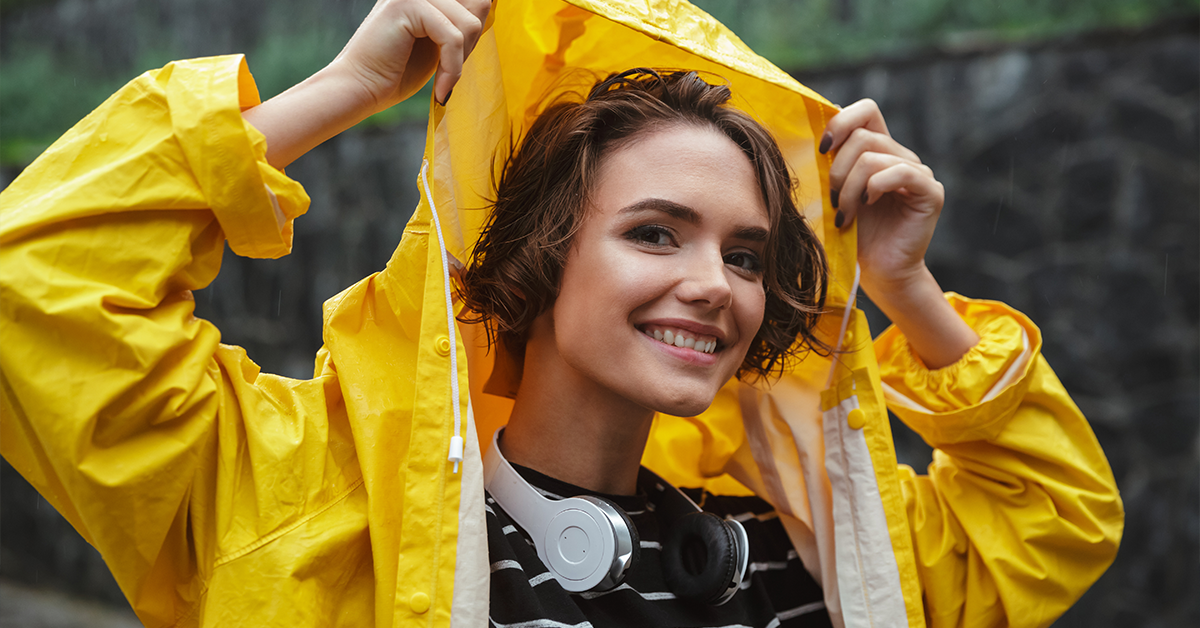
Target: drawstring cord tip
[[456, 451]]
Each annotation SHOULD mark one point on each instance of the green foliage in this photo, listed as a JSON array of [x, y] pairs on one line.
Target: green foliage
[[39, 100], [42, 94], [48, 83], [797, 34]]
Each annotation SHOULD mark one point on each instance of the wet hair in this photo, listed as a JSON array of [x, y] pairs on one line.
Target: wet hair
[[543, 193]]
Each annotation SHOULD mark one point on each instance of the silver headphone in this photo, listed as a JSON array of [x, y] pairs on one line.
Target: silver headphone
[[589, 544]]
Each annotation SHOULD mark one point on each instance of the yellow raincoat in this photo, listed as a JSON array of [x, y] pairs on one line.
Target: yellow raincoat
[[223, 496]]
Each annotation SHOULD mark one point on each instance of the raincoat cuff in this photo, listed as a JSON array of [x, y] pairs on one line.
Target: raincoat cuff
[[973, 398], [254, 202]]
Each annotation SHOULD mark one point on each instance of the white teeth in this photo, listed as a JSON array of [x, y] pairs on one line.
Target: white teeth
[[682, 341]]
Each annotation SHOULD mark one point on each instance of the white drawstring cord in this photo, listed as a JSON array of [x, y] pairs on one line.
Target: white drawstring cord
[[845, 322], [456, 441]]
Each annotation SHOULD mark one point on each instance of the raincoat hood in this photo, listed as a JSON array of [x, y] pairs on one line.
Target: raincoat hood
[[535, 52], [530, 54]]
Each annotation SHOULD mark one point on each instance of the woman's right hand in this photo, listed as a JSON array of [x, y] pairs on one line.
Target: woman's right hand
[[401, 42], [391, 56]]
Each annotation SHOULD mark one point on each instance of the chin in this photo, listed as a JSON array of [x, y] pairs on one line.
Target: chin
[[684, 403]]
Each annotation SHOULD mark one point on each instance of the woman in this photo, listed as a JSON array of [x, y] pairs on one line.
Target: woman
[[220, 495]]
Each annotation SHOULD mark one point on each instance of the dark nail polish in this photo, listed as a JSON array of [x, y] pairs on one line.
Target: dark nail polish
[[447, 99], [864, 197], [826, 142], [833, 195], [839, 219]]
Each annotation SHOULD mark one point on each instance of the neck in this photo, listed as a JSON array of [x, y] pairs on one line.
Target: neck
[[564, 426]]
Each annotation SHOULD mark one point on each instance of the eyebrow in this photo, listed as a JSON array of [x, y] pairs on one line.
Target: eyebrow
[[690, 216]]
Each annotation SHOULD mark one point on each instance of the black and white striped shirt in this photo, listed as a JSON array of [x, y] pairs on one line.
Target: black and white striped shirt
[[777, 592]]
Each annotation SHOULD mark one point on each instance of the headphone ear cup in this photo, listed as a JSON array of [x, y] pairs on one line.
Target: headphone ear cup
[[633, 534], [617, 568], [700, 557]]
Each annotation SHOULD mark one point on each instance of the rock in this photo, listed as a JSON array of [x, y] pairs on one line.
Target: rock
[[1086, 204]]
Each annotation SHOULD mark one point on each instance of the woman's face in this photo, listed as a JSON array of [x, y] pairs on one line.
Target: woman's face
[[662, 292]]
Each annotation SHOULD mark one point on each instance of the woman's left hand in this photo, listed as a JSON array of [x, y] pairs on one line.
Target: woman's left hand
[[885, 187], [896, 201]]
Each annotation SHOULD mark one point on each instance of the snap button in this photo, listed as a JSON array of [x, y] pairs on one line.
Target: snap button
[[442, 344], [419, 603], [856, 419]]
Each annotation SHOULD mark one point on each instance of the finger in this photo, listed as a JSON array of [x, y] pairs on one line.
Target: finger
[[862, 141], [862, 114], [465, 19], [923, 191], [458, 31], [854, 190], [478, 8]]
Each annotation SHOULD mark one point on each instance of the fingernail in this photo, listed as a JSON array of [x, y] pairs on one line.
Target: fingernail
[[826, 142], [833, 194], [839, 219], [447, 99], [864, 197]]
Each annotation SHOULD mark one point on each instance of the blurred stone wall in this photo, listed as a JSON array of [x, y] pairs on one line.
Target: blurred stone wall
[[1071, 170], [1073, 194]]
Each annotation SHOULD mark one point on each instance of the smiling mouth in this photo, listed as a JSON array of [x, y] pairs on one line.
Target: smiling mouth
[[681, 338]]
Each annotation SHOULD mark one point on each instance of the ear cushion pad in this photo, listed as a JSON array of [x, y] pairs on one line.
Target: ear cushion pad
[[633, 534], [699, 557]]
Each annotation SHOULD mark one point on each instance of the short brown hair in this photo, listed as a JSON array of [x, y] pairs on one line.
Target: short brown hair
[[514, 273]]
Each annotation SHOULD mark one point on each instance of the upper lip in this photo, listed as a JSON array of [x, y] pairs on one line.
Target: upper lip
[[699, 329]]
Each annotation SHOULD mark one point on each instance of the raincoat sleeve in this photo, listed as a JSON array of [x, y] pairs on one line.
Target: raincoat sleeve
[[166, 450], [1019, 512]]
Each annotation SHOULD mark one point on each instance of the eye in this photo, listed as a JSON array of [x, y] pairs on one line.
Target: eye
[[745, 261], [652, 235]]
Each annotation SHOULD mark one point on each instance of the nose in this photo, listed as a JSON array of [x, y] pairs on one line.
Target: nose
[[705, 281]]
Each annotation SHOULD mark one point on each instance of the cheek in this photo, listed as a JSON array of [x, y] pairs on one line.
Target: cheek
[[598, 287], [751, 307], [610, 277]]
